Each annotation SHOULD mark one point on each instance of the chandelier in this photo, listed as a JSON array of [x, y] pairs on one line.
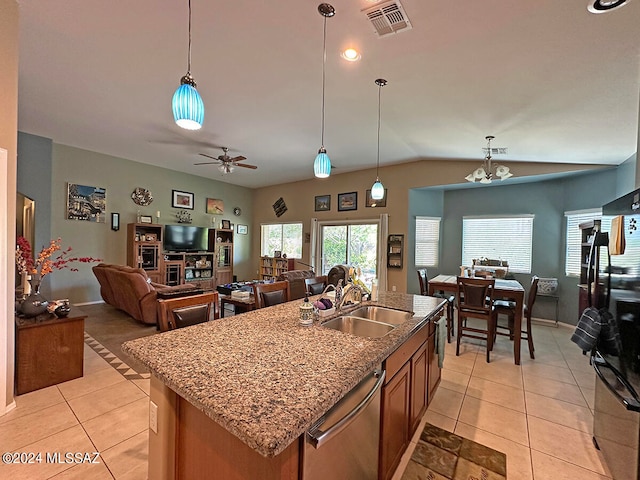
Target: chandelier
[[485, 174]]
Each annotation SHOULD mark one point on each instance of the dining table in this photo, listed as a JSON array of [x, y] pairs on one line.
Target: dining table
[[504, 289]]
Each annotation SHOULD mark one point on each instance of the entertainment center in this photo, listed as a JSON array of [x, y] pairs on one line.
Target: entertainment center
[[178, 254]]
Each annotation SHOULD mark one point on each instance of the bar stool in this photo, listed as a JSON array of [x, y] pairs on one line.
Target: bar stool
[[507, 307], [423, 278], [475, 300]]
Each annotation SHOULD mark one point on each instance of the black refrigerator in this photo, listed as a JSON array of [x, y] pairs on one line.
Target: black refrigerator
[[616, 428]]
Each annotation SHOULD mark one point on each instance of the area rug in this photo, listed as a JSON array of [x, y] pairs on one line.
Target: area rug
[[443, 455]]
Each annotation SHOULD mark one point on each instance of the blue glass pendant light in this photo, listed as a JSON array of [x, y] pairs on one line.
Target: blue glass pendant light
[[322, 163], [377, 190], [187, 105]]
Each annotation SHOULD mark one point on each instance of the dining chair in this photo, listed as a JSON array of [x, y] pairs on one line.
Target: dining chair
[[315, 285], [185, 311], [268, 294], [423, 278], [507, 307], [475, 300]]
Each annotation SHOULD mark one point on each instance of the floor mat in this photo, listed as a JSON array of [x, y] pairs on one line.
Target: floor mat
[[443, 455]]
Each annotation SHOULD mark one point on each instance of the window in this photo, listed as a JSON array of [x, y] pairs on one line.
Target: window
[[427, 241], [282, 237], [573, 252], [355, 245], [501, 238]]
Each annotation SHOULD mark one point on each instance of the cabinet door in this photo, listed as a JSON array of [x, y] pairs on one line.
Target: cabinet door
[[394, 424], [419, 365]]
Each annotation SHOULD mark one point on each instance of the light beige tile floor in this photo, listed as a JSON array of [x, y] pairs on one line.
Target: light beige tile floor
[[101, 412], [540, 414]]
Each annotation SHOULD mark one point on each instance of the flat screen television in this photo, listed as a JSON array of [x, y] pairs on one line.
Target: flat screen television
[[184, 238]]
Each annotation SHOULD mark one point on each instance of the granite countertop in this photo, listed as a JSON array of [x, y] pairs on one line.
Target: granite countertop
[[265, 378]]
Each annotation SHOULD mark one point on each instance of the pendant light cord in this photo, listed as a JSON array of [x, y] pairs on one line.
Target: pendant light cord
[[378, 156], [189, 61], [324, 61]]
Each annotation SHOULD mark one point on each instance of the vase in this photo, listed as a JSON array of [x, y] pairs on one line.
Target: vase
[[35, 303]]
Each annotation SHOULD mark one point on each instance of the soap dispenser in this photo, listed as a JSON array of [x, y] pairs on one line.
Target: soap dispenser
[[306, 312]]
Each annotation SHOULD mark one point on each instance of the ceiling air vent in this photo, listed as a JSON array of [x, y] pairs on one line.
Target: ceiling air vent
[[497, 150], [387, 18]]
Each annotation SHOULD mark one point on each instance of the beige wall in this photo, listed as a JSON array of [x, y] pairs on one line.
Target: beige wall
[[397, 179], [8, 142]]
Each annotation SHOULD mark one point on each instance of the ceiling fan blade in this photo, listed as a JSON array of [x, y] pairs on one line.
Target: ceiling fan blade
[[245, 165], [208, 163], [239, 158], [208, 156]]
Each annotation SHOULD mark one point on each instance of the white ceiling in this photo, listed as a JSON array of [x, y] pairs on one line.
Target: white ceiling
[[551, 81]]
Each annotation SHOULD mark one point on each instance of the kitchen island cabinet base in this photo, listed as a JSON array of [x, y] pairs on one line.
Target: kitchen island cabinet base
[[191, 446]]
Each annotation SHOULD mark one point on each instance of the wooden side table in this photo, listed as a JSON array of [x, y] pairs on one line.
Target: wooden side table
[[49, 350]]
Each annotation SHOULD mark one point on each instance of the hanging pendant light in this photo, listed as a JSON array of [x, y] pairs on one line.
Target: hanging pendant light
[[322, 163], [187, 105], [377, 190]]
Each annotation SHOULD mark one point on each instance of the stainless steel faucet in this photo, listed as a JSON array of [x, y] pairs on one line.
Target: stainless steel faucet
[[349, 292]]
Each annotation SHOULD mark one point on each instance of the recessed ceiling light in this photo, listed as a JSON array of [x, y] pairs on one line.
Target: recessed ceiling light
[[602, 6], [351, 55]]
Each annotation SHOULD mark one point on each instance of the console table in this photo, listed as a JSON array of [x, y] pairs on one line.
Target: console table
[[49, 350]]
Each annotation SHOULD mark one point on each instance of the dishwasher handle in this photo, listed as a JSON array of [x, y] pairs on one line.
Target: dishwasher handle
[[318, 437]]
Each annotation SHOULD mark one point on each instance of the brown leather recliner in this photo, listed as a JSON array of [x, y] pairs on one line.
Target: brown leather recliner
[[130, 289], [297, 288]]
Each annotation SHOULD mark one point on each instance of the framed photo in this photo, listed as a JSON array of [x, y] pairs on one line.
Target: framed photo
[[146, 219], [86, 203], [181, 199], [370, 202], [215, 206], [323, 203], [226, 224], [347, 201], [277, 254], [242, 229], [115, 221]]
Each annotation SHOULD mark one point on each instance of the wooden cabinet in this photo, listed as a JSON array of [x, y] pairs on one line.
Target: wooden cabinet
[[144, 249], [223, 255], [404, 397], [49, 350], [271, 267], [394, 426], [395, 248], [197, 269]]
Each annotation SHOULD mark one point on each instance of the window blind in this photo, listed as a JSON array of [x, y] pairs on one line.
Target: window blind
[[573, 250], [501, 238], [427, 241]]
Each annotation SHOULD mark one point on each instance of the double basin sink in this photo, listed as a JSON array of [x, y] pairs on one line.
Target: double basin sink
[[369, 321]]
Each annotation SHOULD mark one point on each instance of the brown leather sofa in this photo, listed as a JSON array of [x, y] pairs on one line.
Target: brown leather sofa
[[297, 288], [129, 289]]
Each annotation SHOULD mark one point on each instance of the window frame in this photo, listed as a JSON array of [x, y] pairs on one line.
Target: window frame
[[524, 267], [428, 241]]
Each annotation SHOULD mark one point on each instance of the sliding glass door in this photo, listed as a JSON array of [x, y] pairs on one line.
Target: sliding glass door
[[351, 244]]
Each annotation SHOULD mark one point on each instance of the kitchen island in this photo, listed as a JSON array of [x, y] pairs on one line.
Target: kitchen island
[[244, 389]]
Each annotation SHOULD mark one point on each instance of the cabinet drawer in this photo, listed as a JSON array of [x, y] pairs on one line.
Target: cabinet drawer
[[397, 359]]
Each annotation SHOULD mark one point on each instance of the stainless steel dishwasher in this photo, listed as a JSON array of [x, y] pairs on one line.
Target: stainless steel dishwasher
[[343, 444]]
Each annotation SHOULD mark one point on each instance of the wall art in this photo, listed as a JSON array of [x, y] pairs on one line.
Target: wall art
[[215, 206], [86, 203], [181, 199], [347, 201]]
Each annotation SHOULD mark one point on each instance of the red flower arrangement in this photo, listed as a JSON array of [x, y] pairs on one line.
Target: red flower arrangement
[[44, 263]]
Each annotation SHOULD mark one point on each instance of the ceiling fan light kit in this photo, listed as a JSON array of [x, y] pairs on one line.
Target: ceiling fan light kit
[[322, 163], [187, 105], [484, 174], [377, 189], [603, 6], [226, 164]]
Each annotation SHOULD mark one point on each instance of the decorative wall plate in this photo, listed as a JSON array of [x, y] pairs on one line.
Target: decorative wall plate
[[141, 196], [237, 211]]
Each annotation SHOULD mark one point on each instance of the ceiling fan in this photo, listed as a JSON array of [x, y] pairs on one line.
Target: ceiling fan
[[225, 163]]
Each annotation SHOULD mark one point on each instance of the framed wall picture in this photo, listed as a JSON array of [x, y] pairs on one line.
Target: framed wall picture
[[347, 201], [86, 203], [181, 199], [226, 224], [370, 202], [242, 229], [215, 206], [146, 219], [323, 203]]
